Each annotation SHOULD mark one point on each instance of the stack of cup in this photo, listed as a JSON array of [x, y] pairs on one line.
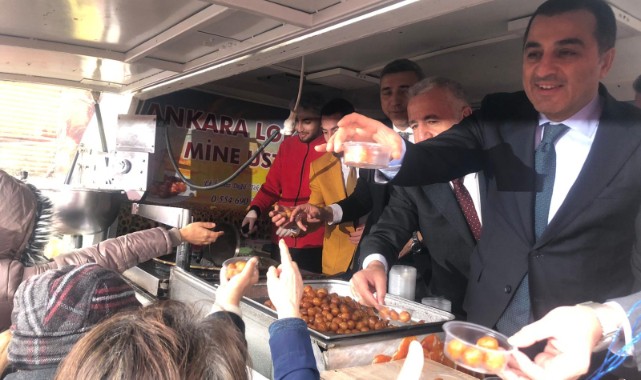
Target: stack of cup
[[402, 281]]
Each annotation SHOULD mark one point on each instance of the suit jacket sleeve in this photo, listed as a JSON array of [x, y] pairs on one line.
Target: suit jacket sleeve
[[358, 203], [452, 154], [392, 230]]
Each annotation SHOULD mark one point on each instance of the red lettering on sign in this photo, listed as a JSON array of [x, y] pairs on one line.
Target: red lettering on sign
[[193, 116], [210, 123], [226, 123]]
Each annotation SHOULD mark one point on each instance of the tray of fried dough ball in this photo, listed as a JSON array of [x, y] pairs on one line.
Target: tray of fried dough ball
[[331, 313]]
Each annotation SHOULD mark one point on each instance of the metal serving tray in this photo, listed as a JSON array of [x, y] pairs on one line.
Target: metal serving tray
[[434, 318]]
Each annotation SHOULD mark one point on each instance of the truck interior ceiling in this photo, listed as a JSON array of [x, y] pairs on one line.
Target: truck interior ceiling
[[253, 50]]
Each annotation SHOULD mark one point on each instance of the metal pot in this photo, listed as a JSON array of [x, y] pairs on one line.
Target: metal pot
[[84, 211]]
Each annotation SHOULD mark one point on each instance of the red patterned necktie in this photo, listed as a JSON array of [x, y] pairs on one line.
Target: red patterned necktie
[[467, 206]]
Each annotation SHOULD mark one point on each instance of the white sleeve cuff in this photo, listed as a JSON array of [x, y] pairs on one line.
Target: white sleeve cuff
[[392, 169], [627, 330], [375, 257], [337, 214]]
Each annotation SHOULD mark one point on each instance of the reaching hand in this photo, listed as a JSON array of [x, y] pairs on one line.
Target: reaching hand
[[285, 285], [231, 291], [356, 127], [200, 233], [279, 215], [355, 237], [571, 333], [307, 215], [248, 225], [368, 281]]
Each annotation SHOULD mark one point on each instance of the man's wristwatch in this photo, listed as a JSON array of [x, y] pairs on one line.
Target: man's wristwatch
[[417, 245], [609, 326]]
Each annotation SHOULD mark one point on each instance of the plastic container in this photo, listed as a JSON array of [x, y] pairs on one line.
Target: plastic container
[[463, 345], [402, 281], [235, 265], [263, 264], [366, 155]]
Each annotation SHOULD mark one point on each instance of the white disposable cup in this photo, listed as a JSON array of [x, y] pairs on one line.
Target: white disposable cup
[[402, 281]]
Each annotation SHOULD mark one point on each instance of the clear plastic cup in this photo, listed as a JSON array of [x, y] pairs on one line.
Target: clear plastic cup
[[366, 155], [476, 347], [235, 265]]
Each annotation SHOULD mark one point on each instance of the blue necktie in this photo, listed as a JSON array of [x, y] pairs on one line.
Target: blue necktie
[[405, 135], [517, 313]]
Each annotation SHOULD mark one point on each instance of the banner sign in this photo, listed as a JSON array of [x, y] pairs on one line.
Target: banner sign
[[211, 137]]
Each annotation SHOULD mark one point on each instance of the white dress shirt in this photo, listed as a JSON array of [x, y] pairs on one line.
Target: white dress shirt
[[345, 169], [407, 130], [571, 149]]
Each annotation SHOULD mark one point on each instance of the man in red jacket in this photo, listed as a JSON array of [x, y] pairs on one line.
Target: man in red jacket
[[288, 184]]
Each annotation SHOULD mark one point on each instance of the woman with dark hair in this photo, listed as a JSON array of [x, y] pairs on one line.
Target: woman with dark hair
[[165, 340]]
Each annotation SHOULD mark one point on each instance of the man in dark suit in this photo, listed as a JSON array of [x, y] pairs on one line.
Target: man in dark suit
[[435, 104], [583, 245]]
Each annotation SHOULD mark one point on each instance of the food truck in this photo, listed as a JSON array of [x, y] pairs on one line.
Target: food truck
[[133, 114]]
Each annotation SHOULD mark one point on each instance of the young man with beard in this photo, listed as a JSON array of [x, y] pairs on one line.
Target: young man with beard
[[287, 184]]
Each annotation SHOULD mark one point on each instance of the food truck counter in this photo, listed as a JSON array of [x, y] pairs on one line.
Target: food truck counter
[[333, 352]]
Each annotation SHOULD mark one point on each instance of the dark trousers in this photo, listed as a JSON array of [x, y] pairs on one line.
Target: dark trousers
[[308, 259]]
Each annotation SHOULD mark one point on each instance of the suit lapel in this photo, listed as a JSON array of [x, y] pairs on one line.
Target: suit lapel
[[613, 144], [444, 200], [520, 136], [482, 179]]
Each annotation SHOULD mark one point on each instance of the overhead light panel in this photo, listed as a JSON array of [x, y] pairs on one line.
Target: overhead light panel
[[197, 72], [342, 79], [377, 12]]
